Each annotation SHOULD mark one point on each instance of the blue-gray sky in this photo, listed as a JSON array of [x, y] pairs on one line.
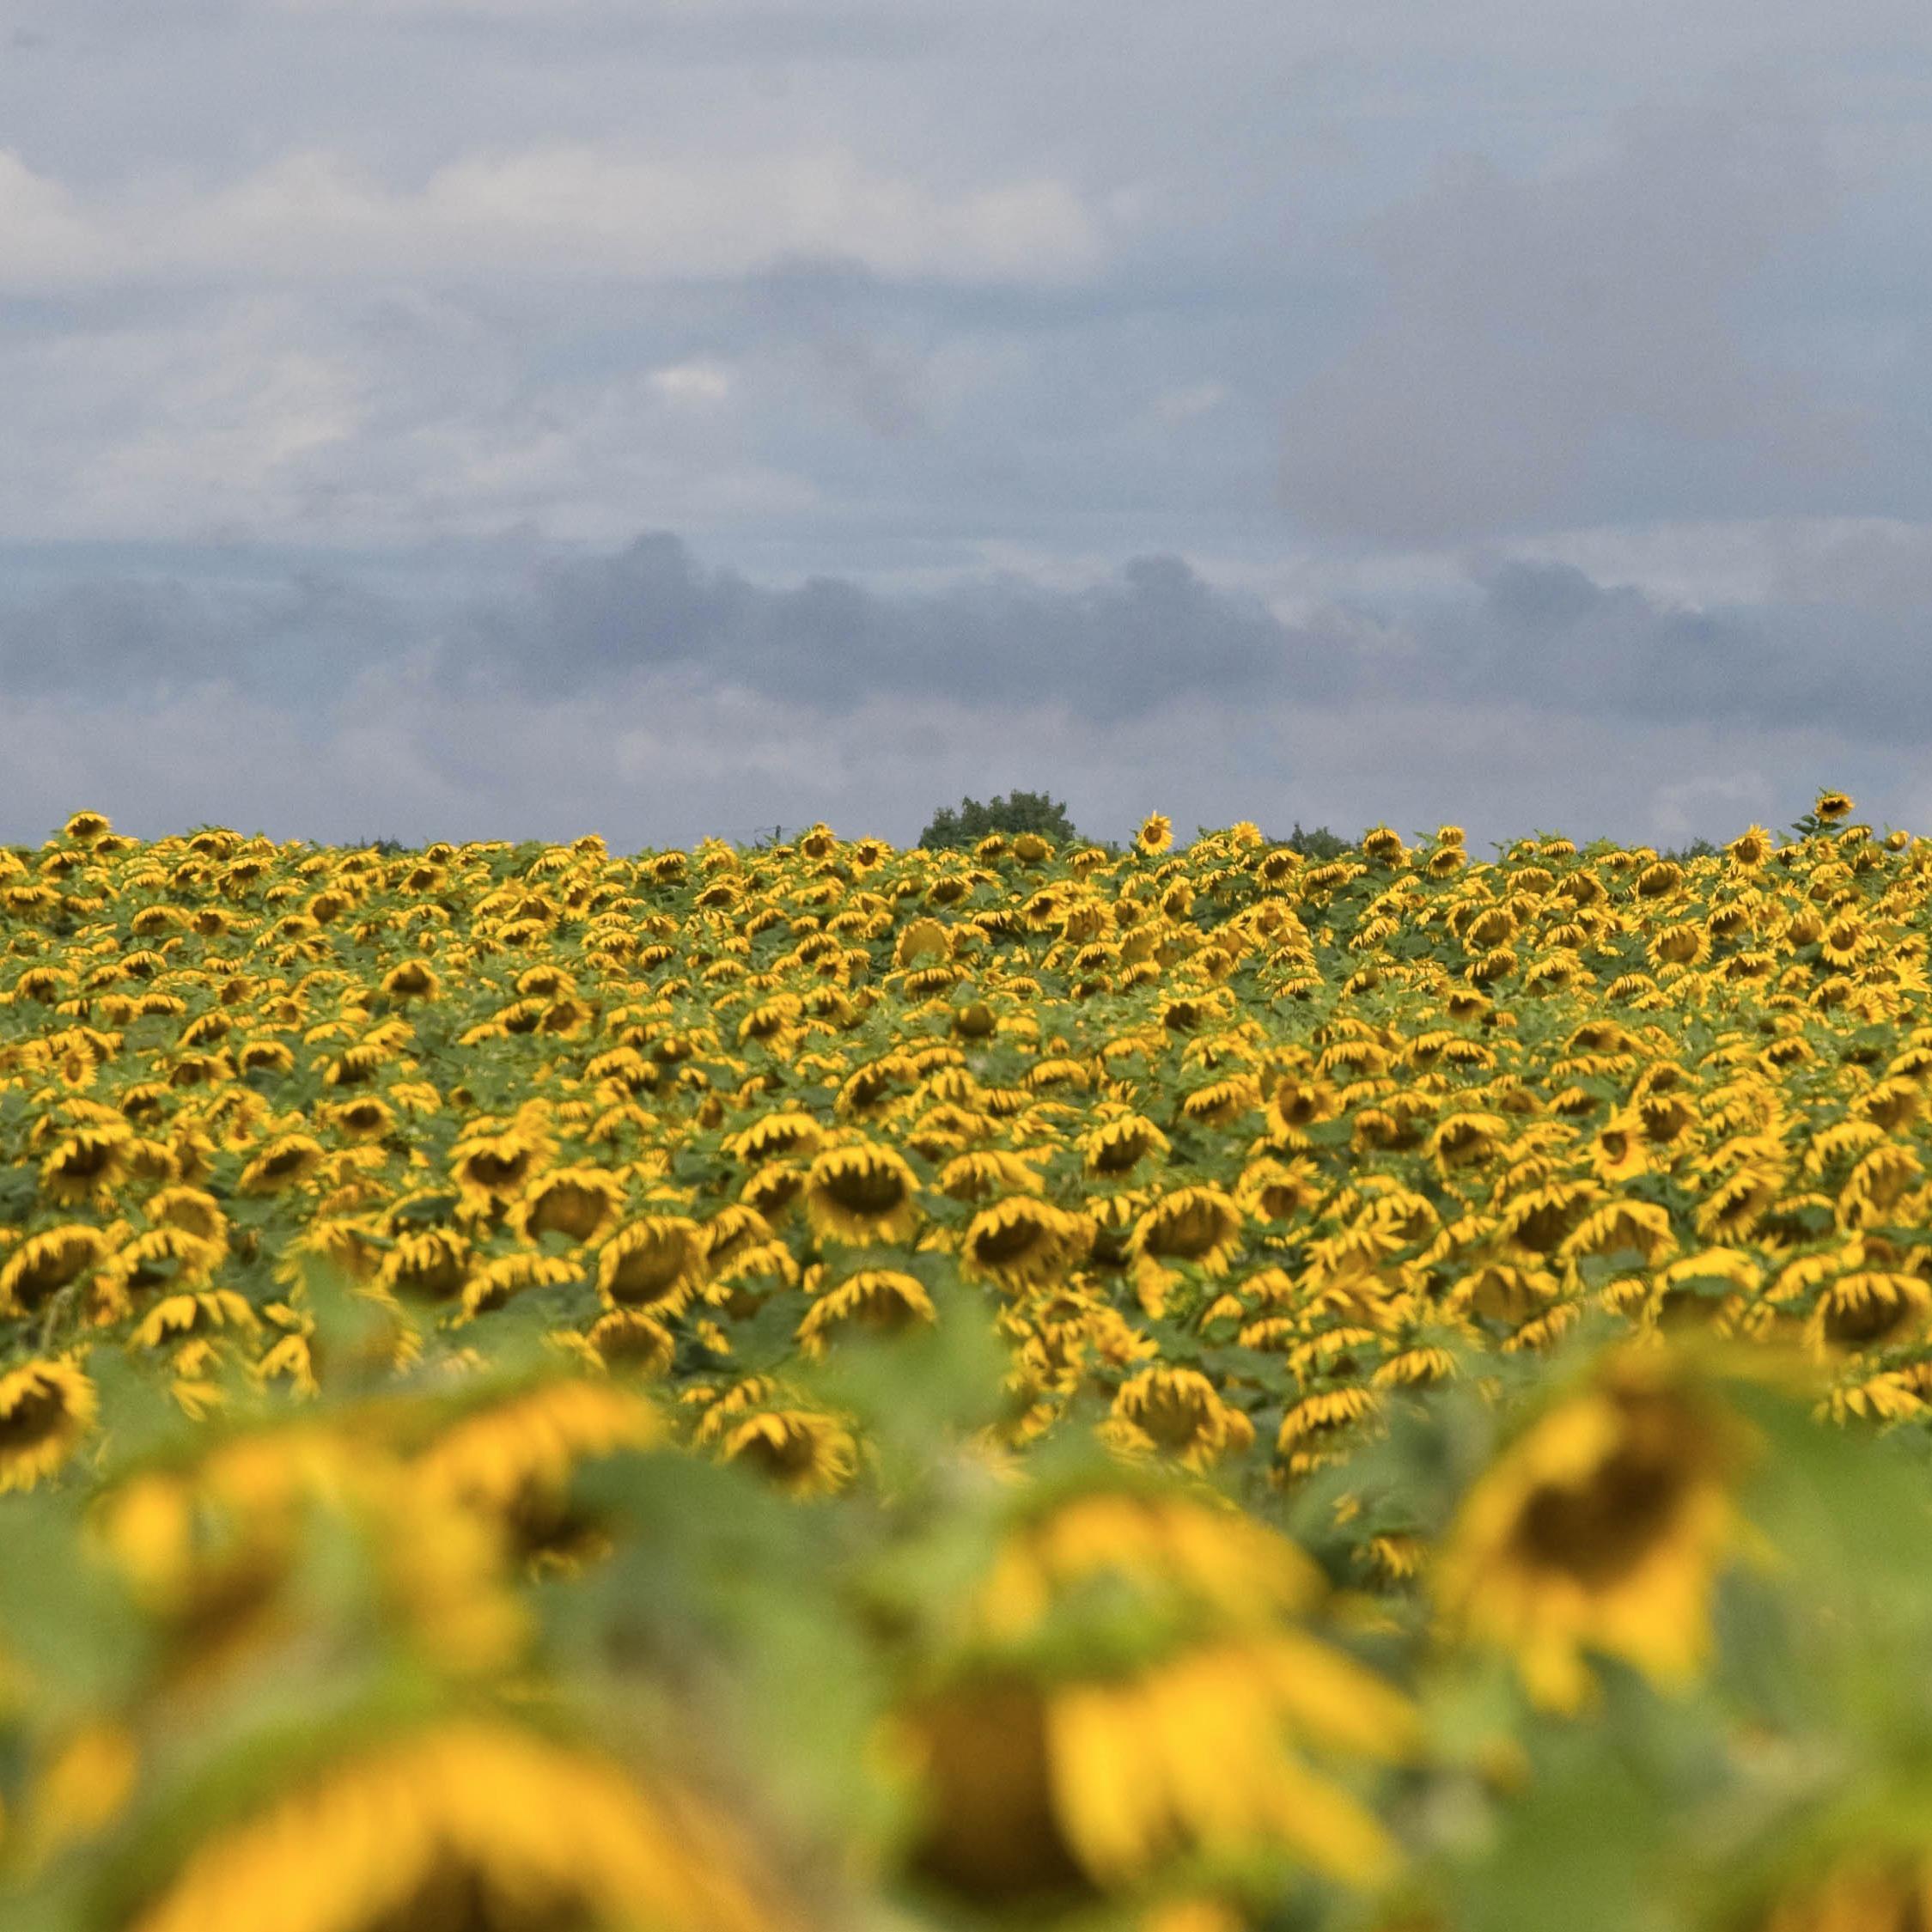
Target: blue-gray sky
[[526, 416]]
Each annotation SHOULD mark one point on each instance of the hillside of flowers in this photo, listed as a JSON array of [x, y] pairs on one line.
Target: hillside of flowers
[[823, 1386]]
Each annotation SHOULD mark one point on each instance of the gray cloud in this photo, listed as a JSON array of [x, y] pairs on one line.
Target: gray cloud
[[1549, 351], [644, 694], [1155, 633]]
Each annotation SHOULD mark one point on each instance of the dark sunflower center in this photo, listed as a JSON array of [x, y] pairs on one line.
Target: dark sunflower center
[[1116, 1156], [1599, 1531], [1174, 1417], [1009, 1242], [992, 1836], [457, 1898], [496, 1170], [33, 1417], [866, 1190], [1186, 1234], [1850, 1323], [84, 1163]]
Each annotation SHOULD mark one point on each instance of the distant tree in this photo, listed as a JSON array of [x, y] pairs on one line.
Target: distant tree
[[1320, 843], [958, 828], [1698, 849]]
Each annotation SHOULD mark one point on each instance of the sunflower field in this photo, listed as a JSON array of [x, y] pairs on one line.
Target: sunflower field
[[826, 1388]]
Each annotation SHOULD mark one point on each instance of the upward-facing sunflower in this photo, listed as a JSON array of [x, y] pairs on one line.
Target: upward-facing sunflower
[[1156, 835]]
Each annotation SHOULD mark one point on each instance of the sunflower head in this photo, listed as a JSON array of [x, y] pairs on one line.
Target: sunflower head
[[872, 1300], [1155, 835], [47, 1409], [1180, 1413], [1023, 1242], [1066, 1786], [465, 1822], [1602, 1528], [862, 1192]]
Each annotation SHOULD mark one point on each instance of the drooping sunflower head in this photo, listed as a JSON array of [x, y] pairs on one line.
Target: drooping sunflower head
[[1181, 1413], [511, 1455], [433, 1264], [1831, 805], [1119, 1145], [88, 1163], [774, 1136], [412, 979], [47, 1409], [1198, 1224], [44, 1263], [1023, 1242], [578, 1203], [863, 1192], [286, 1162], [1060, 1787], [802, 1452], [872, 1300], [632, 1339], [655, 1262]]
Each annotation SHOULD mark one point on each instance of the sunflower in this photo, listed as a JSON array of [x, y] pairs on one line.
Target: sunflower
[[1180, 1411], [630, 1339], [1023, 1242], [412, 979], [578, 1203], [804, 1453], [46, 1263], [862, 1193], [1058, 1791], [433, 1262], [492, 1166], [981, 1172], [1199, 1226], [774, 1137], [872, 1301], [1831, 805], [46, 1409], [365, 1119], [503, 1276], [1603, 1528], [656, 1262], [1121, 1144], [466, 1821], [1156, 835], [1868, 1308], [513, 1456], [284, 1162], [87, 1164]]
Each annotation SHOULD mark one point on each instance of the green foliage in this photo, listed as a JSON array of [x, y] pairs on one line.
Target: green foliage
[[1320, 843], [961, 827]]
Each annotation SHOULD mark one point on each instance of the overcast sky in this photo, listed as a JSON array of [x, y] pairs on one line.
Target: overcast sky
[[519, 417]]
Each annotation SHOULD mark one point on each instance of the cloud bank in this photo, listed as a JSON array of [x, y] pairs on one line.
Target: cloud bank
[[646, 695]]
